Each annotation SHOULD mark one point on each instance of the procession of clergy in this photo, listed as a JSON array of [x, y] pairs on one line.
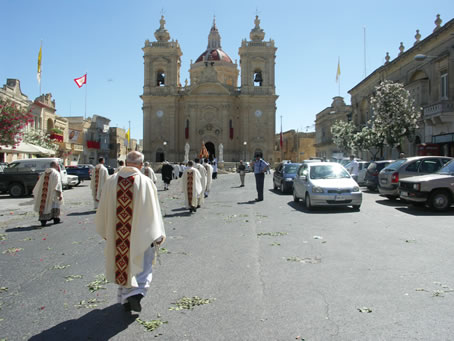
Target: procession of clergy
[[128, 216]]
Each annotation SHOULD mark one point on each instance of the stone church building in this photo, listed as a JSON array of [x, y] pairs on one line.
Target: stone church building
[[232, 121]]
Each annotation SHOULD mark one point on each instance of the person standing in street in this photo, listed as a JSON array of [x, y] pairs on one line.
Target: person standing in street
[[260, 167], [148, 171], [214, 164], [99, 177], [353, 168], [242, 171], [129, 219], [121, 164], [209, 170], [167, 174], [48, 195], [192, 187], [203, 181]]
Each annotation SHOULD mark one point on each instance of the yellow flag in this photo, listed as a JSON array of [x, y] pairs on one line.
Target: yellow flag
[[38, 75], [338, 70], [128, 136]]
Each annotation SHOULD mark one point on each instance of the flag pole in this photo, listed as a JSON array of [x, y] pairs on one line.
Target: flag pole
[[281, 142], [86, 86], [338, 63], [40, 67], [129, 136]]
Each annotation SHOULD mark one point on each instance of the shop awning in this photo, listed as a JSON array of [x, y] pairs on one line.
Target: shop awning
[[27, 148]]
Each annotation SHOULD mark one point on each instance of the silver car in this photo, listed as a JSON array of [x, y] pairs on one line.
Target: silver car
[[326, 184], [389, 177]]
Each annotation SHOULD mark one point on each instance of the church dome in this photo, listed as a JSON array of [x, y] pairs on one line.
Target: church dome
[[214, 54], [214, 51]]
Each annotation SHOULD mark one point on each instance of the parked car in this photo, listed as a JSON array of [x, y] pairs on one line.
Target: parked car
[[248, 167], [3, 165], [435, 190], [362, 169], [283, 176], [21, 176], [82, 171], [73, 180], [390, 176], [326, 184], [371, 178]]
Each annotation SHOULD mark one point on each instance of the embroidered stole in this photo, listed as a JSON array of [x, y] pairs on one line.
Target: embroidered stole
[[190, 186], [44, 192], [125, 206], [96, 180]]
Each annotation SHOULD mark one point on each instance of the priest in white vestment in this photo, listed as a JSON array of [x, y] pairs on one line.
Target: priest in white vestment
[[192, 187], [48, 195], [209, 170], [148, 171], [98, 178], [203, 181], [129, 219]]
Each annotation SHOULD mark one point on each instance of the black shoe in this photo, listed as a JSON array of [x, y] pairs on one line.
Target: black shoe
[[241, 185], [257, 199], [127, 307], [134, 302], [43, 222], [198, 206], [57, 221], [206, 195]]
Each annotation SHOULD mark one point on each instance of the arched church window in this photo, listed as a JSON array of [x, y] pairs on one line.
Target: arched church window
[[160, 78], [258, 79]]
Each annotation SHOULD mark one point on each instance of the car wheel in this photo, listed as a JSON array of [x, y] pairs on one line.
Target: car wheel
[[356, 207], [16, 190], [440, 200], [274, 185], [295, 198], [282, 188], [372, 189], [307, 202], [391, 197]]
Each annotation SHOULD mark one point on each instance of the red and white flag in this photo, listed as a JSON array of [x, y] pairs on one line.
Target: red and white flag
[[81, 80]]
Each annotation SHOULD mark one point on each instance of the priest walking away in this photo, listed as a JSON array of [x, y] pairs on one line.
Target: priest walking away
[[129, 219], [48, 195]]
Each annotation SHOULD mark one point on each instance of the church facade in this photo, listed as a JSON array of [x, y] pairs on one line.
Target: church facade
[[233, 122]]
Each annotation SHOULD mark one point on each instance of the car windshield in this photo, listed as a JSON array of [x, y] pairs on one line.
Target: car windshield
[[396, 164], [328, 172], [290, 169], [447, 169]]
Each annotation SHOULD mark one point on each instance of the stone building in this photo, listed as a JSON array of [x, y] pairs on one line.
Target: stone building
[[427, 71], [77, 134], [97, 140], [231, 121], [338, 111], [118, 145], [296, 146]]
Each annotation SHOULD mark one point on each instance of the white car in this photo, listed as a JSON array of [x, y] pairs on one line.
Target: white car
[[326, 184], [362, 170], [73, 180]]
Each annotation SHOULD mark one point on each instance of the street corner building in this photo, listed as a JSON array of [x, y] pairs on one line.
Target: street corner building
[[211, 108]]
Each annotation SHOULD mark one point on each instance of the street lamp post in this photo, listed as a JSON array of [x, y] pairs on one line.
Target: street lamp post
[[245, 147], [164, 144]]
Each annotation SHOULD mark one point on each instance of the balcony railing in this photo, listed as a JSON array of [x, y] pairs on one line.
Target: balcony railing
[[442, 107]]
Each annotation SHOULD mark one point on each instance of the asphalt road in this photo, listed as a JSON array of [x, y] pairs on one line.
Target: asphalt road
[[271, 271]]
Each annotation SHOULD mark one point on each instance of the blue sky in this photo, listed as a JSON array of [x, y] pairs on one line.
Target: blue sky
[[105, 39]]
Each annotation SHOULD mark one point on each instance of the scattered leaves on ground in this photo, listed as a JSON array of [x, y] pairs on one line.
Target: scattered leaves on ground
[[304, 260], [2, 236], [261, 216], [275, 244], [190, 302], [60, 267], [318, 237], [75, 243], [3, 289], [410, 241], [98, 283], [163, 250], [271, 234], [438, 292], [27, 239], [12, 250], [151, 325], [72, 277], [364, 310], [92, 303]]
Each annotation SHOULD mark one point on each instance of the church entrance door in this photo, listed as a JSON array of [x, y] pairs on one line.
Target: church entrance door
[[159, 155], [211, 150]]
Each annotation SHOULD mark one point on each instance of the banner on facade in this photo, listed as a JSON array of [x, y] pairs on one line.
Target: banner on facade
[[73, 136]]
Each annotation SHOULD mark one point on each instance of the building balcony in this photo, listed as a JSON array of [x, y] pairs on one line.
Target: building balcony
[[78, 148], [439, 113]]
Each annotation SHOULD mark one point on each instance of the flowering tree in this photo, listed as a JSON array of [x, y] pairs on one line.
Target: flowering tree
[[369, 139], [13, 120], [40, 138], [343, 134], [395, 115]]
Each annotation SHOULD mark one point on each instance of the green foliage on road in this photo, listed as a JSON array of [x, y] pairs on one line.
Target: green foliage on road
[[190, 302], [151, 325]]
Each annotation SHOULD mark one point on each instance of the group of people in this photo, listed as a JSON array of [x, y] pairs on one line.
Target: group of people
[[196, 181]]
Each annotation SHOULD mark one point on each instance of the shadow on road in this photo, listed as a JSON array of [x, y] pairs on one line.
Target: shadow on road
[[236, 186], [81, 213], [250, 202], [180, 214], [26, 228], [179, 209], [96, 325], [425, 211], [391, 203], [320, 210], [278, 192]]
